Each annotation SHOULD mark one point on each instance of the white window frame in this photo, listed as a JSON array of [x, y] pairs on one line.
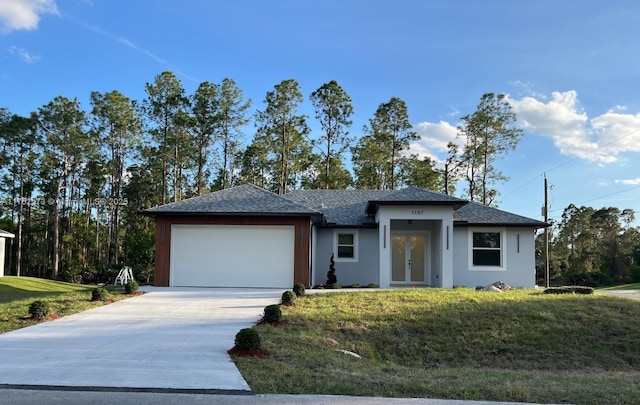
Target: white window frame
[[503, 249], [353, 232]]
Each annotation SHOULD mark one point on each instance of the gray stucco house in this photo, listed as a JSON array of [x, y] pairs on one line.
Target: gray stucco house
[[249, 237]]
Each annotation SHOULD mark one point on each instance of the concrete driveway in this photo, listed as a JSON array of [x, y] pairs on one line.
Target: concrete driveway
[[630, 294], [168, 338]]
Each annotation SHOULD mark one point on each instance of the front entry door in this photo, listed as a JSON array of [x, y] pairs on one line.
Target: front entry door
[[409, 259]]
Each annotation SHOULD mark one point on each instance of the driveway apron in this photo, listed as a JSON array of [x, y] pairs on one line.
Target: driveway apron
[[167, 338]]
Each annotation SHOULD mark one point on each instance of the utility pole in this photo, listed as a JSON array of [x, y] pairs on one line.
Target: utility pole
[[546, 232]]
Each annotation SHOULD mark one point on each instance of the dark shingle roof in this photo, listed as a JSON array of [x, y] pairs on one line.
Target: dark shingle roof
[[341, 207], [356, 207], [414, 196], [476, 214], [244, 199]]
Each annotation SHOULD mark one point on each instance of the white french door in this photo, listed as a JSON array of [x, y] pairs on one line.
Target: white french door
[[409, 254]]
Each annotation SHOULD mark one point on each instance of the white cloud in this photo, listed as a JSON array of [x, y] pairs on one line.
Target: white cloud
[[24, 54], [24, 14], [526, 88], [629, 182], [618, 108], [617, 132], [600, 139], [434, 137]]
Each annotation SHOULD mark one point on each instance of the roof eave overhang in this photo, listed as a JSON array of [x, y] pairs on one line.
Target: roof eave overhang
[[352, 226], [536, 225], [372, 206], [228, 214]]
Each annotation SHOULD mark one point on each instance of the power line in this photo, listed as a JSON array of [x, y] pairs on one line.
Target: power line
[[593, 153], [610, 194], [522, 186], [573, 160]]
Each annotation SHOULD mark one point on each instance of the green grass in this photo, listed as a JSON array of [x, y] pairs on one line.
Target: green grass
[[15, 288], [634, 286], [456, 344], [17, 293]]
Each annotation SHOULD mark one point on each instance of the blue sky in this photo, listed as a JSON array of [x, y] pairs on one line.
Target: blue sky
[[571, 70]]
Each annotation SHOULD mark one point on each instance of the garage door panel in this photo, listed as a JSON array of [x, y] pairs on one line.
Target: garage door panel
[[232, 256]]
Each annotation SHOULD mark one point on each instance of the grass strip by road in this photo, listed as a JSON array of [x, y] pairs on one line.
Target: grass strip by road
[[457, 344], [634, 286], [17, 293]]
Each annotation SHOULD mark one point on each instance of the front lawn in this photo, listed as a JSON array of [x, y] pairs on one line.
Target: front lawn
[[17, 293], [457, 344], [634, 286]]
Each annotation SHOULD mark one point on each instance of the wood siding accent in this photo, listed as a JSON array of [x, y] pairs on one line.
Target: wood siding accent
[[302, 237]]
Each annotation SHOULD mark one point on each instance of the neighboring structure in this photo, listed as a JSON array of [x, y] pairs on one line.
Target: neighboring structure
[[249, 237], [4, 235]]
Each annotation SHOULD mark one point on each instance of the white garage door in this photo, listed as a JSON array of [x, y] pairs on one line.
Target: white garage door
[[232, 256]]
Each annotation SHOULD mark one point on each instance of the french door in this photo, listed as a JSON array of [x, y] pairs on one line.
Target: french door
[[409, 258]]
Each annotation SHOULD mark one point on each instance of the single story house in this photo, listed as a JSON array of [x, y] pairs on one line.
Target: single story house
[[250, 237], [4, 235]]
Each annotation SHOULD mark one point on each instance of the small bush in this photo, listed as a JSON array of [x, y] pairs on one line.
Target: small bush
[[247, 339], [354, 286], [373, 285], [573, 289], [288, 298], [298, 289], [272, 313], [131, 287], [39, 309], [99, 294]]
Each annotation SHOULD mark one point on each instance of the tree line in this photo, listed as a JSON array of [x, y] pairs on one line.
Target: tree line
[[73, 181], [593, 246]]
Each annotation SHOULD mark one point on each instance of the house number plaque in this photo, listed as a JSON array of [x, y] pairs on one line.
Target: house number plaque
[[417, 212]]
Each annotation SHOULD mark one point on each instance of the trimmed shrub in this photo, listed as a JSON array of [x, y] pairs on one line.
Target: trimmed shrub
[[331, 274], [573, 289], [99, 294], [272, 313], [247, 339], [298, 289], [373, 285], [131, 287], [39, 309], [288, 298]]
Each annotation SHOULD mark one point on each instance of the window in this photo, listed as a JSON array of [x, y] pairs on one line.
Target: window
[[346, 245], [486, 250]]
